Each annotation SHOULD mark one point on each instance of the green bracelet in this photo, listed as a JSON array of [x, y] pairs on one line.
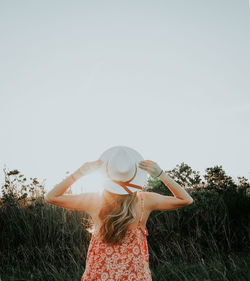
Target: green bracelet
[[159, 174]]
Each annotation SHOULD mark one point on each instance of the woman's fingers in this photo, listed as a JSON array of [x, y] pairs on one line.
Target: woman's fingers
[[146, 163], [99, 162], [143, 164], [150, 161], [150, 166]]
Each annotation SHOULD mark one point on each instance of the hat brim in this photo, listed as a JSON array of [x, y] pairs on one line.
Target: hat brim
[[141, 175]]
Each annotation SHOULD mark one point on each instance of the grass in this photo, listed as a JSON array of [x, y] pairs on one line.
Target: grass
[[229, 268], [39, 241]]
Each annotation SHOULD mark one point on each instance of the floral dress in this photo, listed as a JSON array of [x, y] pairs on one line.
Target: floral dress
[[126, 261]]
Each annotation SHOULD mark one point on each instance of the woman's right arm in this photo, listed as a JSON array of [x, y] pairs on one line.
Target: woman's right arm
[[175, 188], [156, 201]]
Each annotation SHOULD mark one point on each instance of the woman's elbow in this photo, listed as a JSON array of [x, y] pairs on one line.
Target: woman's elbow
[[48, 198], [189, 201]]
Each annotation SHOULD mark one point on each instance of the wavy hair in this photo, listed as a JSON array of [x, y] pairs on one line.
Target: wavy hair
[[116, 215]]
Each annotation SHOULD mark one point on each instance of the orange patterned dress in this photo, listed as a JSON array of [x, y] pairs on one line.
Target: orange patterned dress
[[126, 261]]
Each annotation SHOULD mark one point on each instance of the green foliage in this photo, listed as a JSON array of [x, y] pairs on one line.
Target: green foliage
[[17, 192], [224, 268], [36, 236]]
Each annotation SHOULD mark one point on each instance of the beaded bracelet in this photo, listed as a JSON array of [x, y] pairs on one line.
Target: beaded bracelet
[[159, 174]]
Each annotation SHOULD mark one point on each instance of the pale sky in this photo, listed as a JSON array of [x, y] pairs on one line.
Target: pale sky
[[167, 78]]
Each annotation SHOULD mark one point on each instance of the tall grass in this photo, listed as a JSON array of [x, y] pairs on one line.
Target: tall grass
[[194, 242], [231, 268], [42, 236], [206, 228]]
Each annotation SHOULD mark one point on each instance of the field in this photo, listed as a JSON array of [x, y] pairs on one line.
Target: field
[[231, 268], [207, 240]]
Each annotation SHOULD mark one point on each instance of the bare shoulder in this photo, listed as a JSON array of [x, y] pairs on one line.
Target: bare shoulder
[[92, 202], [95, 198], [155, 201], [86, 202]]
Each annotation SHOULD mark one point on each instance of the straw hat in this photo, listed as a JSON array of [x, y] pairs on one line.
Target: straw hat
[[121, 172]]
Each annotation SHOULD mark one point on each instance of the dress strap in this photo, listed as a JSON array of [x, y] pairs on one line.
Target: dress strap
[[142, 207]]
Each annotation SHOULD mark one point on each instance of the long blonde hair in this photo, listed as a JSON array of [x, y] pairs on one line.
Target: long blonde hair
[[116, 215]]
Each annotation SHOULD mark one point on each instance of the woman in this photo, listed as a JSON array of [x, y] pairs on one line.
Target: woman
[[118, 248]]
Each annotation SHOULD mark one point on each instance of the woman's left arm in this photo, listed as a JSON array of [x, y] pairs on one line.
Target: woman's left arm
[[83, 201]]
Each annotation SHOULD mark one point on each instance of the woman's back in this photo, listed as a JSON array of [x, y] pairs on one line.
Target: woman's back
[[127, 261]]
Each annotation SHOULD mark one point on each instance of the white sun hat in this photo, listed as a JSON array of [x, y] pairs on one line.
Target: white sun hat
[[121, 172]]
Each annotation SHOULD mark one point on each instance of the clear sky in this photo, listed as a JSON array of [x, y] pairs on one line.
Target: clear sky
[[167, 78]]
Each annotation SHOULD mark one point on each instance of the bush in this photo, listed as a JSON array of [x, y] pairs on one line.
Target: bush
[[38, 235]]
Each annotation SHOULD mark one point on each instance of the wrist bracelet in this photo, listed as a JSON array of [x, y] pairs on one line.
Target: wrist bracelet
[[159, 174]]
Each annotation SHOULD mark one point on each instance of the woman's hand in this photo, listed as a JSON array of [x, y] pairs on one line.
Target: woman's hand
[[151, 167], [87, 168]]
